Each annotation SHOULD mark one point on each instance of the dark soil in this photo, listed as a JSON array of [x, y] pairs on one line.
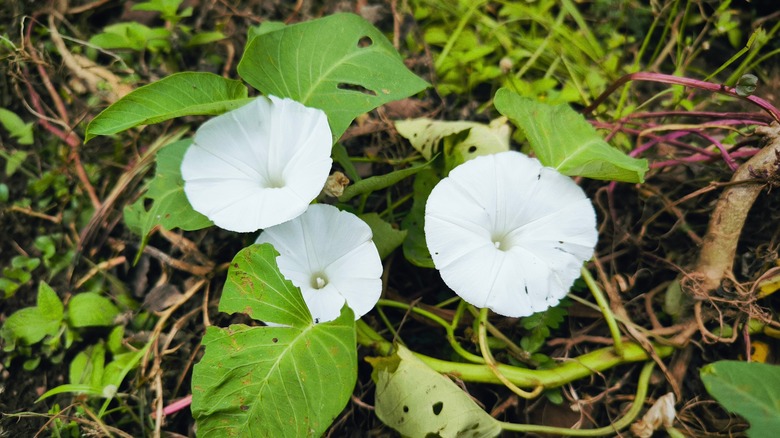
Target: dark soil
[[639, 249]]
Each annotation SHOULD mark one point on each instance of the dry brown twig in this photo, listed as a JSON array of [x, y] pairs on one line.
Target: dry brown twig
[[716, 258]]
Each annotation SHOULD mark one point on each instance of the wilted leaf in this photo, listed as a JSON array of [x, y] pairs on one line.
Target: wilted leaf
[[427, 137], [417, 401]]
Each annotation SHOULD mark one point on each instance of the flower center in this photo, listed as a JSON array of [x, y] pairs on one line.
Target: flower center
[[501, 243], [319, 280], [275, 183]]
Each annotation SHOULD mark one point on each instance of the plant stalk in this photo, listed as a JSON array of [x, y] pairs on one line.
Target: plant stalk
[[567, 372], [609, 317], [626, 420], [719, 247]]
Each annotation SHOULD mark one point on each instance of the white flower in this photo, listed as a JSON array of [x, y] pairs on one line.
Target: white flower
[[509, 234], [330, 256], [259, 165]]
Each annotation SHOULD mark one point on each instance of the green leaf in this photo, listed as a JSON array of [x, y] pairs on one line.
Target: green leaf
[[427, 137], [49, 303], [90, 309], [133, 36], [746, 85], [22, 132], [379, 182], [255, 287], [417, 401], [562, 139], [180, 94], [340, 64], [272, 381], [202, 38], [4, 192], [264, 27], [87, 366], [415, 247], [121, 364], [74, 388], [170, 207], [166, 8], [31, 324], [751, 390], [386, 238]]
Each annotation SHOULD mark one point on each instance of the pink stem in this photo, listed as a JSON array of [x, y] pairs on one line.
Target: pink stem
[[678, 80]]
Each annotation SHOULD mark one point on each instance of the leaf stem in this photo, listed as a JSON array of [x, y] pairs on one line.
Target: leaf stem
[[687, 82], [572, 369], [490, 361], [609, 317], [449, 328], [633, 412]]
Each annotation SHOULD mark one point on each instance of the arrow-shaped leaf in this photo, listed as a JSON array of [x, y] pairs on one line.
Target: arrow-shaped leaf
[[562, 139]]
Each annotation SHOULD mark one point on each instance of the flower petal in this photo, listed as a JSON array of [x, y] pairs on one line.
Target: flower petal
[[324, 304], [259, 165], [335, 246], [508, 234]]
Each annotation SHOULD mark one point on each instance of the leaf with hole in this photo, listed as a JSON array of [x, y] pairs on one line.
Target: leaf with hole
[[430, 137], [291, 380], [562, 139], [415, 400], [340, 64]]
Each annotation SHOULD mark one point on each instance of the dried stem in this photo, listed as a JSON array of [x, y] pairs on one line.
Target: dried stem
[[716, 258]]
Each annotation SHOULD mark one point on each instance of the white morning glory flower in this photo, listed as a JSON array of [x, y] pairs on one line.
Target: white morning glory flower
[[329, 254], [509, 234], [259, 165]]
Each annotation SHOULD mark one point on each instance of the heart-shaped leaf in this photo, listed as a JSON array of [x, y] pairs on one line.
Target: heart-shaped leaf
[[340, 64], [180, 94], [562, 139], [272, 381]]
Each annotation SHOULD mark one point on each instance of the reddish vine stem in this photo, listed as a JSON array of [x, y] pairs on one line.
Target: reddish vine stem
[[688, 82], [69, 137]]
